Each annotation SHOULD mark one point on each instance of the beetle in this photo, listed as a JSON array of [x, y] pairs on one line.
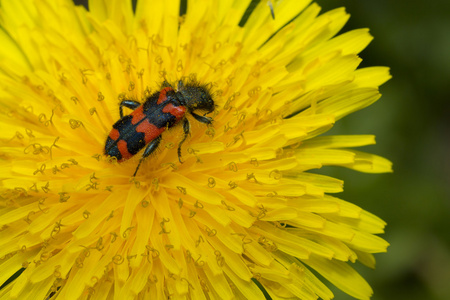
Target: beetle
[[160, 111]]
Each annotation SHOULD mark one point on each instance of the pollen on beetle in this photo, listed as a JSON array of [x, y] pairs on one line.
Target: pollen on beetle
[[151, 155]]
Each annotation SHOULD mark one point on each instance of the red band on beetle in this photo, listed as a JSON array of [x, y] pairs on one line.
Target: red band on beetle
[[123, 149], [138, 115], [163, 94], [114, 134], [176, 111], [151, 131]]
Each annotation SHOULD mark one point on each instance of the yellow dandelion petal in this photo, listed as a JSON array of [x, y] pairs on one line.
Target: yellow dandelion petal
[[224, 206]]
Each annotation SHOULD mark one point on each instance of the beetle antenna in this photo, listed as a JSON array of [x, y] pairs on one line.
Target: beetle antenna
[[180, 86]]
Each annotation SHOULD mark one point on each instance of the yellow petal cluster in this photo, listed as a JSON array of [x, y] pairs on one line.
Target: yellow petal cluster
[[242, 216]]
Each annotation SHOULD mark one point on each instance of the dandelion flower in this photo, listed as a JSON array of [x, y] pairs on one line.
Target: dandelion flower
[[242, 216]]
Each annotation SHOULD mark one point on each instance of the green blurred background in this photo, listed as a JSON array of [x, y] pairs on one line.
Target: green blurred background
[[411, 122]]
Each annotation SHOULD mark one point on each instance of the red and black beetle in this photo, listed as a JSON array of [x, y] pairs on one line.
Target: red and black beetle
[[160, 111]]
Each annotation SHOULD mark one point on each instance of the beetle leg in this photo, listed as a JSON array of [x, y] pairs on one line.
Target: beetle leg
[[148, 150], [202, 119], [128, 103], [186, 128]]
